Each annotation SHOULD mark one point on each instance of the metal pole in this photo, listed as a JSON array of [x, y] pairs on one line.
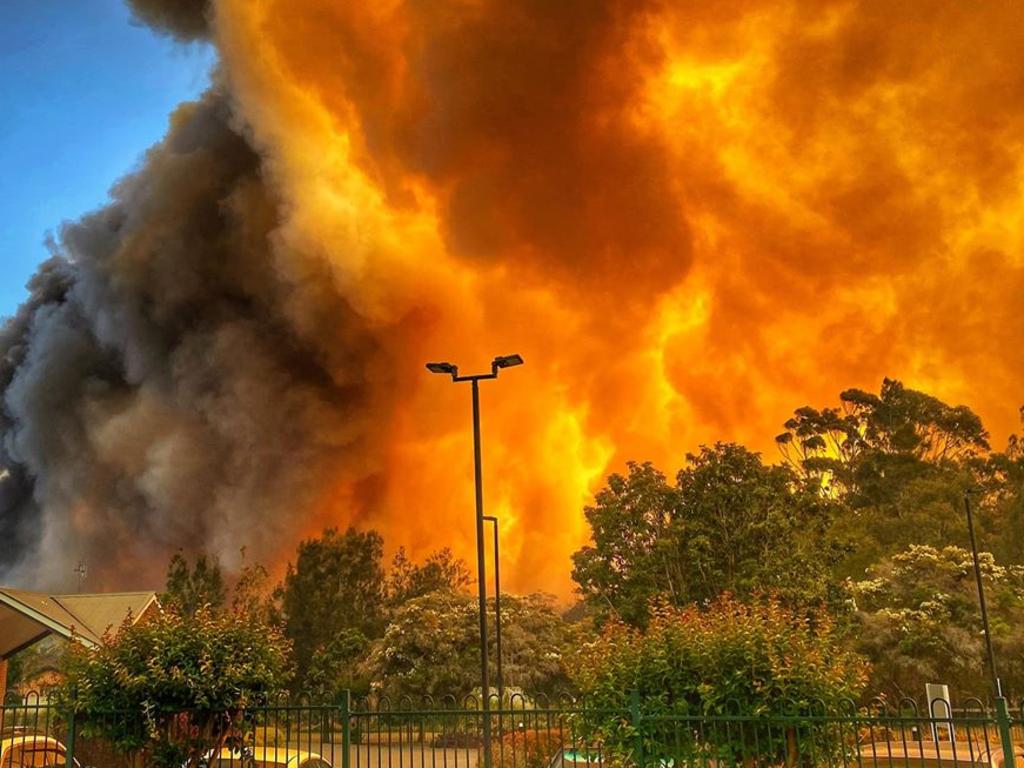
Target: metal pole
[[497, 610], [636, 720], [996, 685], [69, 739], [448, 369], [346, 729], [485, 693]]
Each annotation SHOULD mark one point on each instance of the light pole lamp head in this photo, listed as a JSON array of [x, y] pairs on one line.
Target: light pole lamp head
[[506, 361], [445, 368]]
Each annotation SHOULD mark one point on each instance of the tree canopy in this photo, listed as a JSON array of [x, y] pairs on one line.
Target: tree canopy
[[730, 523], [920, 621], [191, 588], [431, 646], [871, 444], [867, 492], [337, 584], [860, 528], [441, 570]]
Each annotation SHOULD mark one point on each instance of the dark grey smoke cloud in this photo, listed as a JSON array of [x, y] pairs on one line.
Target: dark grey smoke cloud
[[184, 20], [168, 384]]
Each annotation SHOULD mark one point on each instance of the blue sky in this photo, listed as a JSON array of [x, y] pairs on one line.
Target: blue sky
[[84, 91]]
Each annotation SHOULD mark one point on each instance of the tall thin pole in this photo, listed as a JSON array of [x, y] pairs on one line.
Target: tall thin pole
[[448, 369], [996, 684], [481, 569], [497, 610]]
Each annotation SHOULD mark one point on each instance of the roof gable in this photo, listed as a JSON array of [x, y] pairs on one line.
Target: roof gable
[[26, 617]]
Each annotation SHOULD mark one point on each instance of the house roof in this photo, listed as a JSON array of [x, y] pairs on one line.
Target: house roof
[[27, 617]]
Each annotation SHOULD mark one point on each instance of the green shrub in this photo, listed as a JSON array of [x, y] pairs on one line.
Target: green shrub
[[174, 686], [759, 659]]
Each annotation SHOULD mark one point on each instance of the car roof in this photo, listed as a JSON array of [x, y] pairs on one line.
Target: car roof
[[275, 755], [30, 739]]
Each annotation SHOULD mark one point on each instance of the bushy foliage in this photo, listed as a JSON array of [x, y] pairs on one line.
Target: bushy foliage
[[899, 462], [730, 522], [336, 667], [440, 571], [255, 596], [336, 584], [758, 658], [1001, 502], [526, 749], [921, 622], [174, 684], [431, 646], [872, 444], [862, 487], [192, 588]]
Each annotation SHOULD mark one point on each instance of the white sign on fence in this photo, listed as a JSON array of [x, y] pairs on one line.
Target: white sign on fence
[[940, 710]]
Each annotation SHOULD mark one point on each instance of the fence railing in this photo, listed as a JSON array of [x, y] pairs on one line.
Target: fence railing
[[531, 733]]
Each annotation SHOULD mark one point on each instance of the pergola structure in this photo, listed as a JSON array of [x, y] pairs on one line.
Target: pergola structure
[[28, 617]]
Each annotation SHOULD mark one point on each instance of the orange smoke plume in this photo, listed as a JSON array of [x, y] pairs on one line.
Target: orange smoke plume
[[689, 219]]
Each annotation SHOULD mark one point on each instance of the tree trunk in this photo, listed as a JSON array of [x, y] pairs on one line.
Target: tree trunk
[[792, 751]]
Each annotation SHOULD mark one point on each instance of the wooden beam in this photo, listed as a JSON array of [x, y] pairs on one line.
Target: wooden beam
[[41, 618], [27, 644], [3, 689]]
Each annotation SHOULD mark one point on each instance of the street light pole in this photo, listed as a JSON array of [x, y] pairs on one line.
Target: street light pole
[[497, 611], [996, 684], [1002, 712], [481, 567], [504, 361]]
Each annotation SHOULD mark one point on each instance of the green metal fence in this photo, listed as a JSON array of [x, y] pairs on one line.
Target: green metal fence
[[542, 733]]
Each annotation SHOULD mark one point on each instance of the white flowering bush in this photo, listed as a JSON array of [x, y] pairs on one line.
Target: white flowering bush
[[431, 646], [921, 622]]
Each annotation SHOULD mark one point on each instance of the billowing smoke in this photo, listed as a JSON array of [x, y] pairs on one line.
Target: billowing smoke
[[158, 391], [689, 218], [185, 20]]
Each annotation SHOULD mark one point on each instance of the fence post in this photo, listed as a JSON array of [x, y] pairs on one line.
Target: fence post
[[69, 741], [635, 719], [1005, 732], [346, 728]]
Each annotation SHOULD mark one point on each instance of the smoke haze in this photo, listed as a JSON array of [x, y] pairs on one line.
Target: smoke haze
[[690, 219]]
